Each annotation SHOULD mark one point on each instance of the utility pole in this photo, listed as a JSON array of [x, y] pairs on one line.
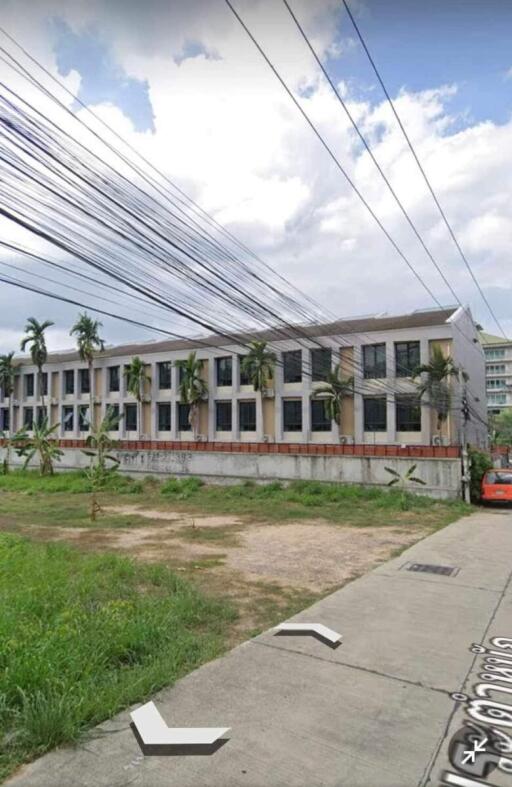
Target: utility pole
[[465, 413]]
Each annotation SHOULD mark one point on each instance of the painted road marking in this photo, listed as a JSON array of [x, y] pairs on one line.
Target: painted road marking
[[154, 731], [316, 629]]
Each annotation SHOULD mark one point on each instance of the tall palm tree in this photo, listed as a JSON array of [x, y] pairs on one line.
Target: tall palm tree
[[88, 342], [259, 365], [136, 379], [332, 392], [192, 387], [36, 339], [436, 383], [7, 372]]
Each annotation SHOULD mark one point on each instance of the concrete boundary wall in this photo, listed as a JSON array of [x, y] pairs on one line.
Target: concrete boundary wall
[[442, 476]]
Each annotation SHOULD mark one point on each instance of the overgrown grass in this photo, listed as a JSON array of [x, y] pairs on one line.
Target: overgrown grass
[[82, 636], [74, 482]]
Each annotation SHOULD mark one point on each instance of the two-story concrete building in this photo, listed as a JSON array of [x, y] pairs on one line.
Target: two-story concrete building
[[379, 352]]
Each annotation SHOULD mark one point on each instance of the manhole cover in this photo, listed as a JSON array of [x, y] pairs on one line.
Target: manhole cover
[[431, 568]]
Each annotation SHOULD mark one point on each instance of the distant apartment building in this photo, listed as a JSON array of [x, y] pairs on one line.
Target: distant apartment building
[[498, 372], [379, 352]]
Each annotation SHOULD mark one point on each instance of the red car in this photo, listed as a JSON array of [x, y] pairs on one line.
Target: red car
[[497, 486]]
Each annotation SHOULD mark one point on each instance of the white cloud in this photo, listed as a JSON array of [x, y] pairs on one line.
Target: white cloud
[[226, 131]]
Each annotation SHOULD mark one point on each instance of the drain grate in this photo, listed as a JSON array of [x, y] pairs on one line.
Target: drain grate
[[429, 568]]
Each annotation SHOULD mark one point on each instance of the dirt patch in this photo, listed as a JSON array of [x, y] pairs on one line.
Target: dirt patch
[[175, 516], [314, 556]]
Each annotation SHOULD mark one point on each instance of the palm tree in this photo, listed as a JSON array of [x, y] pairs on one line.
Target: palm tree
[[7, 372], [192, 387], [38, 352], [136, 379], [332, 392], [259, 365], [88, 342], [435, 384]]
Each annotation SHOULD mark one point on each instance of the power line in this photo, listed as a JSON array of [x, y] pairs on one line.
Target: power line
[[420, 166], [370, 152]]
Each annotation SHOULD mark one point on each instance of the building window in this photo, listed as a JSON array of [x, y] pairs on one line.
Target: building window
[[44, 384], [224, 371], [130, 417], [374, 361], [500, 383], [320, 421], [83, 418], [164, 417], [375, 414], [28, 418], [247, 415], [4, 420], [497, 398], [113, 379], [292, 415], [408, 414], [113, 412], [223, 416], [69, 381], [320, 363], [244, 376], [183, 417], [85, 383], [29, 385], [292, 366], [495, 368], [494, 355], [407, 358], [40, 415], [164, 375], [68, 418]]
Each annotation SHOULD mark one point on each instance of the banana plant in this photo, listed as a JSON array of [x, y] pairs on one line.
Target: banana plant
[[402, 480], [43, 443]]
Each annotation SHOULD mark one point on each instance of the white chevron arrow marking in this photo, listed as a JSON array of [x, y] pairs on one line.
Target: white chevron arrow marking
[[154, 731], [317, 629]]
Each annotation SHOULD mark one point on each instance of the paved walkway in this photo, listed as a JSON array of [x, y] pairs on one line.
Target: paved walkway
[[375, 712]]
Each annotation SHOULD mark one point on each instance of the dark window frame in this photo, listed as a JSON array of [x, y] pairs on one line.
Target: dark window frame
[[374, 367], [68, 426], [404, 406], [28, 422], [223, 423], [292, 415], [44, 384], [243, 377], [84, 381], [69, 377], [321, 363], [183, 413], [83, 423], [406, 366], [373, 421], [164, 424], [114, 410], [130, 425], [5, 422], [292, 366], [245, 407], [29, 384], [164, 375], [114, 379], [224, 371], [323, 424]]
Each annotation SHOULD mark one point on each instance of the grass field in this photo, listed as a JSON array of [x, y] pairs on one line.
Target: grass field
[[83, 635], [170, 575]]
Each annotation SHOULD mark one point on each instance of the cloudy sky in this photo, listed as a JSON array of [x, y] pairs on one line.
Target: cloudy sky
[[181, 81]]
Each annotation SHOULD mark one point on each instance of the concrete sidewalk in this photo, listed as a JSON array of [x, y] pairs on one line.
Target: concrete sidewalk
[[375, 712]]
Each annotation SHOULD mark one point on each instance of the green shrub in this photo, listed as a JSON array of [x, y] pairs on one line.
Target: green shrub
[[181, 488], [479, 462]]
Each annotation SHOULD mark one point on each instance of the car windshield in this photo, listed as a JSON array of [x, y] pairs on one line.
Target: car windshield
[[498, 478]]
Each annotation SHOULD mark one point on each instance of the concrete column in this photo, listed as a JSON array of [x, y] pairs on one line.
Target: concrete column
[[236, 373], [306, 418], [278, 408], [212, 391], [426, 410], [358, 398], [155, 391], [175, 395], [391, 418], [235, 420]]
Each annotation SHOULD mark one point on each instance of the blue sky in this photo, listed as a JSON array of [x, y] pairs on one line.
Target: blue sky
[[421, 45], [102, 79]]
